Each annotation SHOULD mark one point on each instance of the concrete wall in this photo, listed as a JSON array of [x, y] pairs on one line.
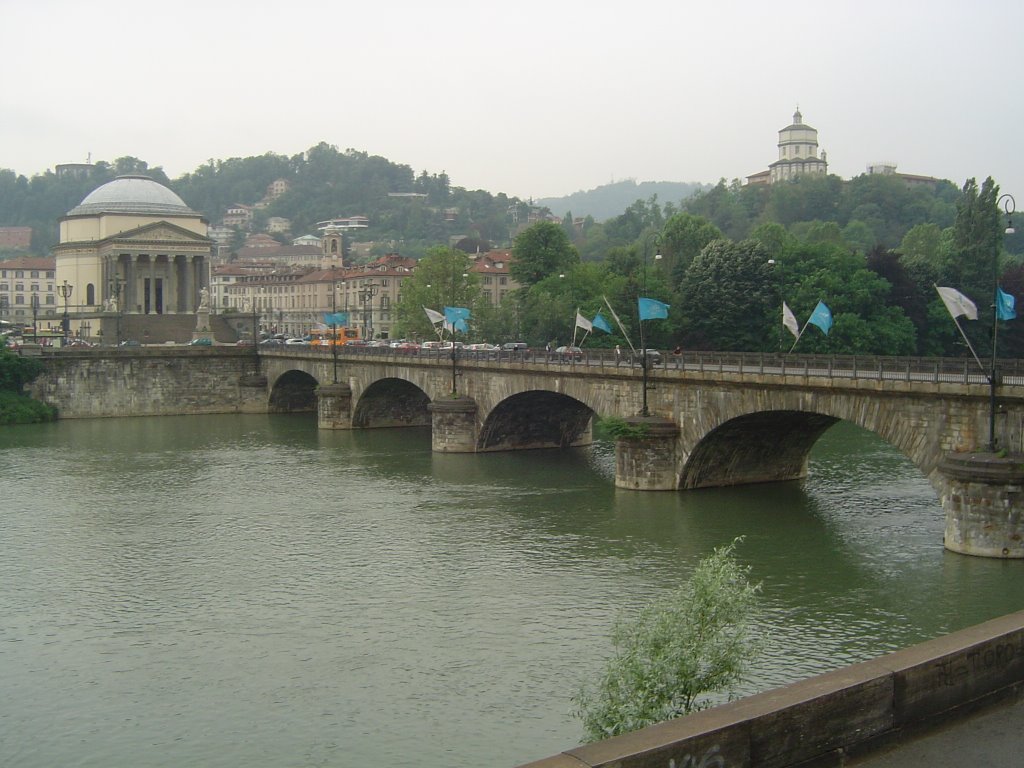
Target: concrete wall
[[829, 719]]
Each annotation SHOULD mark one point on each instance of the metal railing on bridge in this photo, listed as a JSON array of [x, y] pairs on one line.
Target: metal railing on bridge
[[921, 369]]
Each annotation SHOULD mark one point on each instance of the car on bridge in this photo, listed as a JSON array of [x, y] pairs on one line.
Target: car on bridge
[[202, 341], [567, 354], [653, 357]]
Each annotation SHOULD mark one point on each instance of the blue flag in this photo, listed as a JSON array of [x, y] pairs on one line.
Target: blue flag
[[1005, 305], [336, 318], [454, 314], [652, 309], [821, 317], [600, 323]]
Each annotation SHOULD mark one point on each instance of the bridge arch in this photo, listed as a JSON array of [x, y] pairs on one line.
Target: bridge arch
[[766, 446], [392, 402], [767, 436], [294, 391], [536, 418]]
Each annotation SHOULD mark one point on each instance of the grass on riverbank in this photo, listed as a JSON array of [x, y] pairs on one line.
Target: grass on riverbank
[[21, 409]]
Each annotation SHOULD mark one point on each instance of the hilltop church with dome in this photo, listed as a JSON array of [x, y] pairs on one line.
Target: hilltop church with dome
[[798, 154], [133, 247]]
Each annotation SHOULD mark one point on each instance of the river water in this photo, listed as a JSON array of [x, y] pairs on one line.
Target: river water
[[250, 591]]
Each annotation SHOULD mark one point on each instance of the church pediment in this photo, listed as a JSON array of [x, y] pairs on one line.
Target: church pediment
[[158, 232]]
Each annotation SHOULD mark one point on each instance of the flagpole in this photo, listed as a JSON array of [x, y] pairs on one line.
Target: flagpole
[[799, 337], [618, 323]]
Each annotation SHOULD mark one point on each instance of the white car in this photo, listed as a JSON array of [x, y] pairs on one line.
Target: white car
[[297, 342]]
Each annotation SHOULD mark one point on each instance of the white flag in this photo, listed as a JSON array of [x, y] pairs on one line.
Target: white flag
[[582, 322], [789, 320], [434, 316], [957, 303]]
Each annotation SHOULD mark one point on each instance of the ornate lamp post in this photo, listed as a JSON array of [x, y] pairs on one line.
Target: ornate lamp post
[[455, 349], [656, 239], [366, 294], [35, 318], [65, 293], [1009, 206], [334, 327]]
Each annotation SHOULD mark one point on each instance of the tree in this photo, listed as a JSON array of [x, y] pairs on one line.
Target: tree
[[729, 298], [667, 661], [682, 238], [441, 278], [539, 251]]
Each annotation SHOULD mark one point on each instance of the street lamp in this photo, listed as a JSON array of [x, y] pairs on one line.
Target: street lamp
[[35, 314], [455, 349], [1009, 206], [366, 294], [656, 239], [65, 293], [334, 327]]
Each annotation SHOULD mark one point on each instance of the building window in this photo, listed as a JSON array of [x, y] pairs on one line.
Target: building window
[[35, 273]]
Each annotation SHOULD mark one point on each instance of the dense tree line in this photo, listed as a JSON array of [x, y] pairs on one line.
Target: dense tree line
[[726, 293]]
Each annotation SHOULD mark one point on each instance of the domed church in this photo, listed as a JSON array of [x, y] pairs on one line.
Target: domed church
[[133, 247]]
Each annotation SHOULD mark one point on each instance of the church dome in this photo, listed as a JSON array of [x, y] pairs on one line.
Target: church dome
[[132, 194]]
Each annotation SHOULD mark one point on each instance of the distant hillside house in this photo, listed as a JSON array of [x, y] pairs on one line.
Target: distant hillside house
[[15, 238], [347, 222], [798, 155], [238, 216], [278, 224], [910, 179]]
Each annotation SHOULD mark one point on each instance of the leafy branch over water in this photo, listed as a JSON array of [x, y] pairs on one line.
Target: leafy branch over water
[[696, 641]]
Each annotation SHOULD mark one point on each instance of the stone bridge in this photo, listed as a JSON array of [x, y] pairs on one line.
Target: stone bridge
[[709, 421]]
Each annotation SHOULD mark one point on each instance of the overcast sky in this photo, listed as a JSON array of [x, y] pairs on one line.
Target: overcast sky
[[534, 99]]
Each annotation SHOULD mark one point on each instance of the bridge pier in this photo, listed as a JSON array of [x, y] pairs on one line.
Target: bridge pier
[[334, 406], [252, 393], [453, 425], [983, 498], [646, 460]]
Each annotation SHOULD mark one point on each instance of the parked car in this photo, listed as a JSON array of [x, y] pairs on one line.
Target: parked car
[[130, 343], [357, 343], [568, 353], [653, 357], [201, 342], [482, 351], [272, 342], [296, 342], [244, 343], [515, 346], [406, 348]]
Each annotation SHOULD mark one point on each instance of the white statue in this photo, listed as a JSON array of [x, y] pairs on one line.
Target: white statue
[[204, 298]]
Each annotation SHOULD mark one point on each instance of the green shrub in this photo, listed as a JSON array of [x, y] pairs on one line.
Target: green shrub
[[695, 642], [19, 409]]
